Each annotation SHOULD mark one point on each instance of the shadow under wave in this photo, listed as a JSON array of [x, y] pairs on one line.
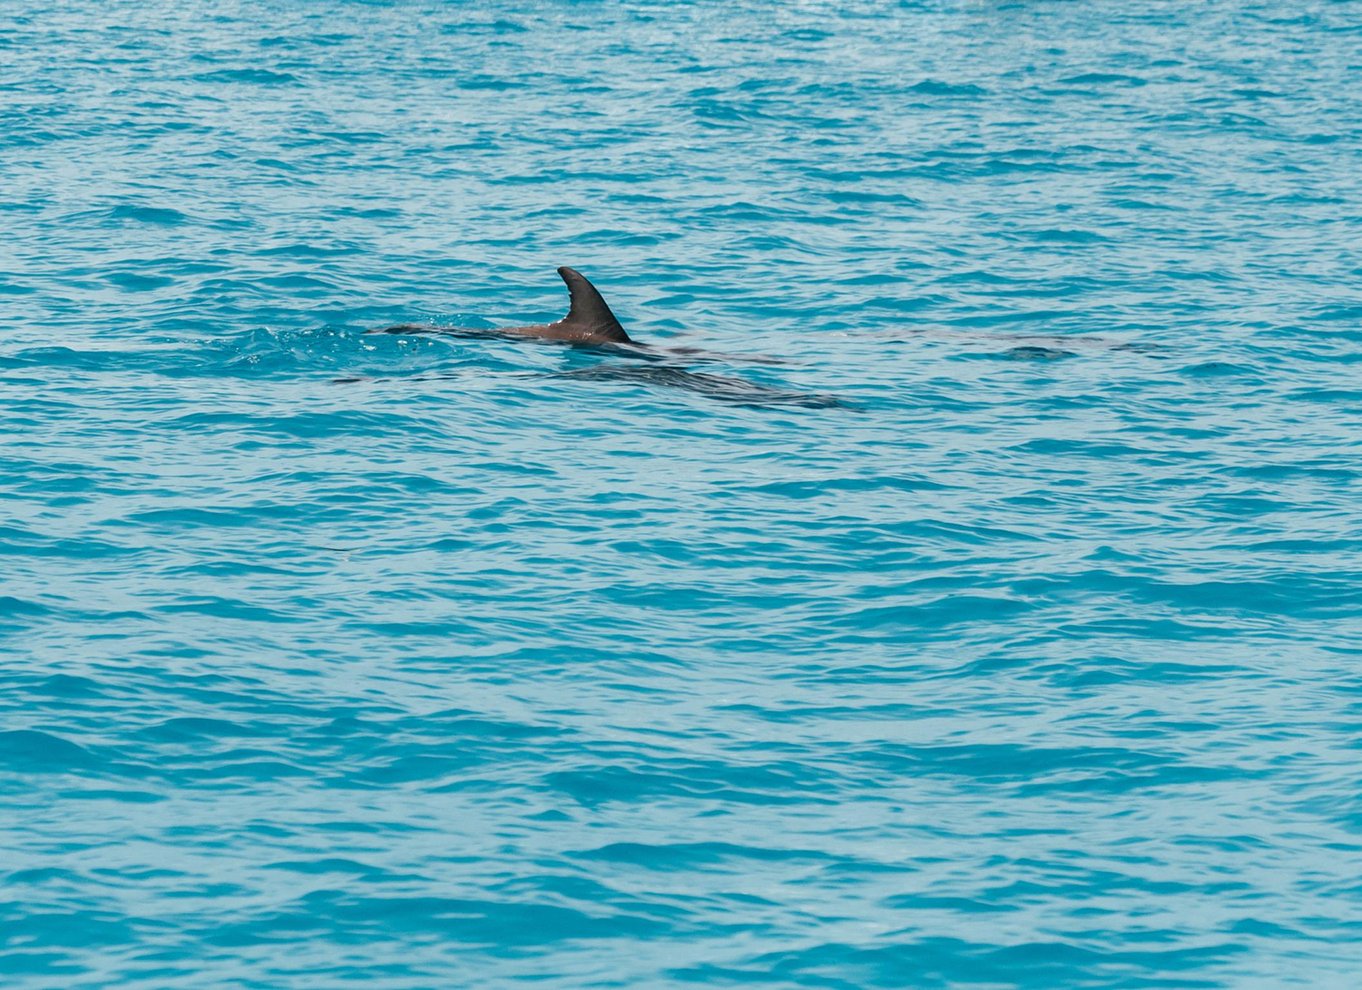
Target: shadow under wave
[[721, 387]]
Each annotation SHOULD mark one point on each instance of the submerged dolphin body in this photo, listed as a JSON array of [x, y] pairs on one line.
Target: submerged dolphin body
[[589, 320], [724, 388]]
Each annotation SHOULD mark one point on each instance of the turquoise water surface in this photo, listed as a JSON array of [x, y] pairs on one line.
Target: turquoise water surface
[[964, 591]]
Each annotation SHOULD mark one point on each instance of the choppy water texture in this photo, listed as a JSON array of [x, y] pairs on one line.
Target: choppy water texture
[[1004, 632]]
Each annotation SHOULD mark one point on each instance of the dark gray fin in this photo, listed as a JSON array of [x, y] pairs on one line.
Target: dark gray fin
[[589, 311]]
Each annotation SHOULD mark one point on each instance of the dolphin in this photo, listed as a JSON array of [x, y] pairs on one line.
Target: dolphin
[[590, 322], [589, 319]]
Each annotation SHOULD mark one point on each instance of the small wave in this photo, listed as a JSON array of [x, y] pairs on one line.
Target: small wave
[[936, 87], [161, 216], [32, 751], [252, 76]]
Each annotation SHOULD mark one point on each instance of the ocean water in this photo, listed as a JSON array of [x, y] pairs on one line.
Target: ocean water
[[963, 591]]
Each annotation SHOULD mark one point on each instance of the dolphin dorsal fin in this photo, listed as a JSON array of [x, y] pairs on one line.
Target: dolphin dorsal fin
[[589, 311]]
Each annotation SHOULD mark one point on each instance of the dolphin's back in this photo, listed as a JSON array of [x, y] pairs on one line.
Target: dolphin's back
[[589, 320]]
